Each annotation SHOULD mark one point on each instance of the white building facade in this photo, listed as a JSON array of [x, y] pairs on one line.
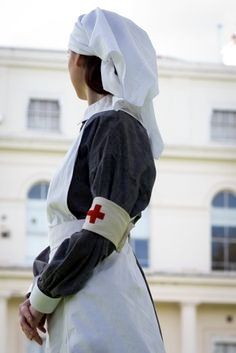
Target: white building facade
[[186, 240]]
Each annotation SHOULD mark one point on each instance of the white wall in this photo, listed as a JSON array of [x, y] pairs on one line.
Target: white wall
[[181, 208], [18, 84]]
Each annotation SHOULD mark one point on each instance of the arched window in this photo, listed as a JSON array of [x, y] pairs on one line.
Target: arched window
[[36, 226], [140, 239], [223, 231]]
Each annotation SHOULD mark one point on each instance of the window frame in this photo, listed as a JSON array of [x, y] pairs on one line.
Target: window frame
[[222, 340], [218, 221], [214, 135], [48, 130], [37, 234]]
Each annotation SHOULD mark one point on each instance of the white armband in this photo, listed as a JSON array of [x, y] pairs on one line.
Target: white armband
[[110, 220]]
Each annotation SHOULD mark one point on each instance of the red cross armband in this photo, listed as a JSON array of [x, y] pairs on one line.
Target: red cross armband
[[110, 220]]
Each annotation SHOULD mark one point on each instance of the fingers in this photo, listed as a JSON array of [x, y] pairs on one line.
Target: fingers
[[31, 334], [37, 338], [42, 323], [37, 316], [26, 328], [27, 323], [24, 311]]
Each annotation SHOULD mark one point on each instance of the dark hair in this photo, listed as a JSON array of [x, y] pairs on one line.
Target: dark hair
[[93, 73]]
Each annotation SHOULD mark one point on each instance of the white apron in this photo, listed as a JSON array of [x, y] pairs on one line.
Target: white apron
[[113, 312]]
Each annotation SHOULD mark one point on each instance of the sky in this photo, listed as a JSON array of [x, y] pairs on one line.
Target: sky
[[193, 30]]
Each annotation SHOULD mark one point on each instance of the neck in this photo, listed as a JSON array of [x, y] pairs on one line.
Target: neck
[[93, 97]]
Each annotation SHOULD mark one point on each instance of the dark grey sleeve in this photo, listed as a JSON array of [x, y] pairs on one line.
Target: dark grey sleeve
[[121, 168], [121, 165], [41, 261], [38, 266]]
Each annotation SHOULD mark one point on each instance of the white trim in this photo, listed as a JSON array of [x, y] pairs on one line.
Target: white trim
[[224, 339]]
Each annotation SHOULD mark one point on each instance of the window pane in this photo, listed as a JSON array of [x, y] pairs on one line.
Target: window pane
[[217, 251], [232, 200], [35, 192], [44, 190], [218, 231], [223, 125], [141, 229], [232, 232], [140, 247], [223, 220], [43, 114], [232, 252], [225, 347], [218, 200], [38, 191], [37, 224], [220, 266]]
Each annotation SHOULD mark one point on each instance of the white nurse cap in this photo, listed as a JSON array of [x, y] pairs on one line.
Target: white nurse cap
[[129, 63]]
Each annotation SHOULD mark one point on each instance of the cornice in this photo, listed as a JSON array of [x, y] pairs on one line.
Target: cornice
[[167, 66], [60, 144]]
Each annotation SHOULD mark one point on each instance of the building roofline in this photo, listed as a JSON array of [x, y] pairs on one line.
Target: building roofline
[[31, 49], [56, 59]]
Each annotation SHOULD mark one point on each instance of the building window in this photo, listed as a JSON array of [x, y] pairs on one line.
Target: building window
[[43, 115], [223, 125], [224, 347], [37, 228], [223, 231], [140, 239]]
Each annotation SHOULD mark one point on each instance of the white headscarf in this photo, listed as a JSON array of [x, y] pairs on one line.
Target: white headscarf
[[123, 46]]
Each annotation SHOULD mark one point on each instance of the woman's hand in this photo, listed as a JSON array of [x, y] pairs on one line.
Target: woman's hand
[[30, 319], [38, 319]]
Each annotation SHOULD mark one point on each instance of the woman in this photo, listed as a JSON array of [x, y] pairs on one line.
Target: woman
[[88, 283]]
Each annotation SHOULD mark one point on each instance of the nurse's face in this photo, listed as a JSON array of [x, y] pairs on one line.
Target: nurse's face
[[76, 67]]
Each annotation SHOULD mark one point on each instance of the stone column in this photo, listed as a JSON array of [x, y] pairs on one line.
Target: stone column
[[188, 327]]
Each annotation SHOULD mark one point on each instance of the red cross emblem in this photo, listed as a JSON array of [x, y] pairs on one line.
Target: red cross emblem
[[95, 213]]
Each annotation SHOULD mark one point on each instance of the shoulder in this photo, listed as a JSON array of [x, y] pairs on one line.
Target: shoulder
[[117, 133], [115, 122]]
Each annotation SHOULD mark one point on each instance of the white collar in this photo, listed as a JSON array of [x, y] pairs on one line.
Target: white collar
[[110, 102], [104, 103]]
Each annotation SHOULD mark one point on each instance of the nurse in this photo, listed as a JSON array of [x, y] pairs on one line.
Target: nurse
[[88, 285]]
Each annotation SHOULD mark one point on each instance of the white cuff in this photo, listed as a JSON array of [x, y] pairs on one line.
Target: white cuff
[[30, 288], [110, 220], [42, 302]]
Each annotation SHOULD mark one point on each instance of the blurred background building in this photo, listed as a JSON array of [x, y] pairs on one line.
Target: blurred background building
[[186, 239]]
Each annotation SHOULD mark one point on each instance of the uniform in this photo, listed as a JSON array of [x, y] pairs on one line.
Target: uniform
[[98, 298]]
